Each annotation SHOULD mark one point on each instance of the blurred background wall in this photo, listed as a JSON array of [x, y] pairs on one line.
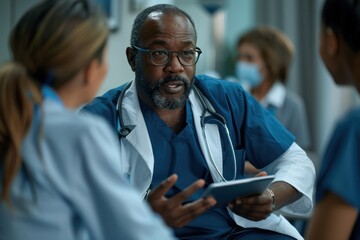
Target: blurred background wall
[[219, 23]]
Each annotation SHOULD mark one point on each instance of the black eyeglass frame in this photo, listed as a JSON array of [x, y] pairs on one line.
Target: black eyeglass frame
[[169, 53]]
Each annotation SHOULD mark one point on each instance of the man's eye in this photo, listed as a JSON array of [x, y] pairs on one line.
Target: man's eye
[[159, 53], [188, 53]]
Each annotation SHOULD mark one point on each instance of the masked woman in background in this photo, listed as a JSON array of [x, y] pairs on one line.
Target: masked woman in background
[[264, 56]]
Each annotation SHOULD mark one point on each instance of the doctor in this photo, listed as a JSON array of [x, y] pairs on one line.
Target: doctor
[[193, 131]]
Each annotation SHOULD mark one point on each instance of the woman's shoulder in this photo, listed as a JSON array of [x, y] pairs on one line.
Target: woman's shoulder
[[348, 125], [352, 117], [293, 99], [69, 124]]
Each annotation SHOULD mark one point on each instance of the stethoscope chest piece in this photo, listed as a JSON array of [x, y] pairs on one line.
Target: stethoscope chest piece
[[125, 130]]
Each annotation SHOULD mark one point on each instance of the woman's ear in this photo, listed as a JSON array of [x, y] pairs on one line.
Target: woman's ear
[[332, 42], [90, 71], [130, 54], [95, 72]]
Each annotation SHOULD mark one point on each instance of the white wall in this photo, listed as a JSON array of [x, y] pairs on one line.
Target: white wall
[[4, 29], [10, 12], [240, 17], [119, 70]]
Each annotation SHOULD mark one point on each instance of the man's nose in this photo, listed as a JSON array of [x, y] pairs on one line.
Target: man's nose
[[174, 65]]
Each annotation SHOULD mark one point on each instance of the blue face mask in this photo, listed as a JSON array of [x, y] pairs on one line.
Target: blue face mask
[[248, 74]]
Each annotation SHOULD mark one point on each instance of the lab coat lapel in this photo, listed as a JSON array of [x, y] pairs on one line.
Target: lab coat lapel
[[212, 135], [139, 156]]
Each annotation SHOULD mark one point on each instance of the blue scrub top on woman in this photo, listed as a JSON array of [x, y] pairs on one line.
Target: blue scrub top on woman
[[340, 168]]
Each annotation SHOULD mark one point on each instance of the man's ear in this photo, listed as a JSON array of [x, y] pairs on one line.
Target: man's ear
[[333, 42], [130, 54]]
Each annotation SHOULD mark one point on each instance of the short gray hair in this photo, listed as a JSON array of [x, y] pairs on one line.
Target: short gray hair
[[141, 17]]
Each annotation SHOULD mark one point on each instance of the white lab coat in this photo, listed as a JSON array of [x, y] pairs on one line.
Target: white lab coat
[[137, 161]]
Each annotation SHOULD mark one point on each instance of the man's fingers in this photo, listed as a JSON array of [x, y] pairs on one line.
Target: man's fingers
[[185, 194], [261, 199], [254, 208], [191, 210], [163, 188], [261, 174], [173, 210]]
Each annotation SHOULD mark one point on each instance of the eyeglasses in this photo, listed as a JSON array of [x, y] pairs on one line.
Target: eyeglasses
[[163, 57]]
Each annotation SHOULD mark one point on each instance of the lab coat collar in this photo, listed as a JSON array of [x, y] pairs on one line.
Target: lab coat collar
[[275, 96]]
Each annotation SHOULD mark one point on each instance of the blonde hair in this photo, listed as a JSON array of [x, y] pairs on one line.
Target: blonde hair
[[275, 48], [50, 44]]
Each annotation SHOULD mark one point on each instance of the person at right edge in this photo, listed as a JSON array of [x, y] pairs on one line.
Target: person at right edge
[[184, 128], [336, 214]]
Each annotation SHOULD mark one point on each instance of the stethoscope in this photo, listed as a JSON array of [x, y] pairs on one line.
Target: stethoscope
[[125, 130]]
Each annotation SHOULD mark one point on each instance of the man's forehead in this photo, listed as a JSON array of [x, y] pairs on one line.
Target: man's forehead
[[160, 23]]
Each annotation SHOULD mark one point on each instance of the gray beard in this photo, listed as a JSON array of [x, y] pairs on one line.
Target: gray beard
[[153, 92]]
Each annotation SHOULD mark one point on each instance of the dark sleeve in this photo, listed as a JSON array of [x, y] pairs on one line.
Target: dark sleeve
[[105, 107], [340, 167]]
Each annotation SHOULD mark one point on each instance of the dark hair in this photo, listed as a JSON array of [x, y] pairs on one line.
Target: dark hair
[[142, 16], [52, 41], [343, 17]]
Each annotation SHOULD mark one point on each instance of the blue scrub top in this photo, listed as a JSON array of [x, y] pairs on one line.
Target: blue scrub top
[[181, 154], [256, 134], [340, 168]]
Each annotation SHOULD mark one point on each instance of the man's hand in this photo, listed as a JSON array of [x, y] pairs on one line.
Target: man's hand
[[256, 208], [172, 210], [259, 207]]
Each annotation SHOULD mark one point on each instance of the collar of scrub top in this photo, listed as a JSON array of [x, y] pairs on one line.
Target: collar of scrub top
[[49, 93]]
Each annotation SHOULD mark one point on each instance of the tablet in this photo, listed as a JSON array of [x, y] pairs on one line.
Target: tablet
[[225, 192]]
